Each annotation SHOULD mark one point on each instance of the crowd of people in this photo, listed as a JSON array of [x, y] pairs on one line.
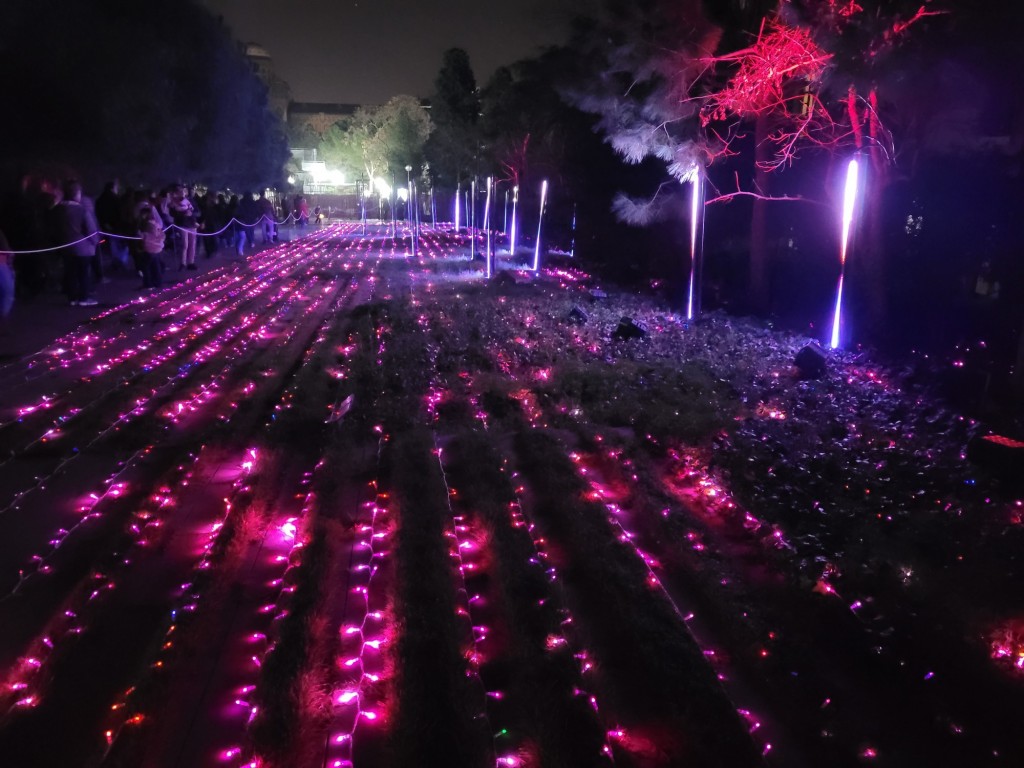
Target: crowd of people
[[54, 238]]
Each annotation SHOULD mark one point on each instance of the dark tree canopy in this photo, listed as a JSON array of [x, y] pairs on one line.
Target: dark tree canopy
[[147, 92], [453, 149]]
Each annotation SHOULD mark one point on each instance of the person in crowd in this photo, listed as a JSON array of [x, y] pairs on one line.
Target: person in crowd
[[248, 214], [268, 219], [140, 199], [183, 214], [163, 208], [6, 283], [109, 216], [235, 227], [22, 219], [75, 226], [151, 249], [302, 212], [97, 258], [224, 213], [212, 222], [48, 201]]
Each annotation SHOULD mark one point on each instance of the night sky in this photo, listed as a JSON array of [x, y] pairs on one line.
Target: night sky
[[365, 51]]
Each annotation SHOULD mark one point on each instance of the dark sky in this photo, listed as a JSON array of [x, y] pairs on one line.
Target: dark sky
[[365, 51]]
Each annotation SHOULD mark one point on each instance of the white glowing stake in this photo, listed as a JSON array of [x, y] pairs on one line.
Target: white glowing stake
[[471, 215], [694, 212], [540, 222], [849, 202], [512, 235], [458, 218], [487, 224]]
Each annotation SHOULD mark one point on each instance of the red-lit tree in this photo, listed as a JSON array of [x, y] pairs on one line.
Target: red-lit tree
[[673, 85], [810, 81]]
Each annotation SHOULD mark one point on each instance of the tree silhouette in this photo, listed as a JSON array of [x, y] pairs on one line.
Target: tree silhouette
[[144, 92], [453, 149]]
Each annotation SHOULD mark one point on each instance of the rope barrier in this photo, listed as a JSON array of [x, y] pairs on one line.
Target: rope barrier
[[100, 233]]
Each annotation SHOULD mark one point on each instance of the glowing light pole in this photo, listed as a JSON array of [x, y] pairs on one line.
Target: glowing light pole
[[433, 208], [416, 211], [512, 236], [471, 210], [394, 206], [487, 223], [540, 222], [696, 219], [572, 242], [849, 203], [414, 222], [458, 196], [504, 228], [363, 192]]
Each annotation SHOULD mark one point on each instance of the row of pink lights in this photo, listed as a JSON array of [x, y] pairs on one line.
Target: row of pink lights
[[164, 501], [535, 416], [122, 712], [26, 672], [88, 512], [219, 294], [361, 668], [540, 559], [282, 548], [599, 492], [212, 348], [188, 404], [1006, 644], [285, 532]]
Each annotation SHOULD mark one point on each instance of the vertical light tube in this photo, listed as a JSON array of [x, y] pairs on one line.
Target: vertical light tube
[[695, 210], [458, 202], [849, 205], [487, 224], [412, 224], [512, 236], [540, 223], [572, 242], [471, 215]]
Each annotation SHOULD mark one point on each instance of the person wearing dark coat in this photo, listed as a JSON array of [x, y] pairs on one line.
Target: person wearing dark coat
[[6, 282], [109, 217], [75, 228], [248, 215]]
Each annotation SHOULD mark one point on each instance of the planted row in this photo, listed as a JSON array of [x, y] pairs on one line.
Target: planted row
[[657, 676]]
